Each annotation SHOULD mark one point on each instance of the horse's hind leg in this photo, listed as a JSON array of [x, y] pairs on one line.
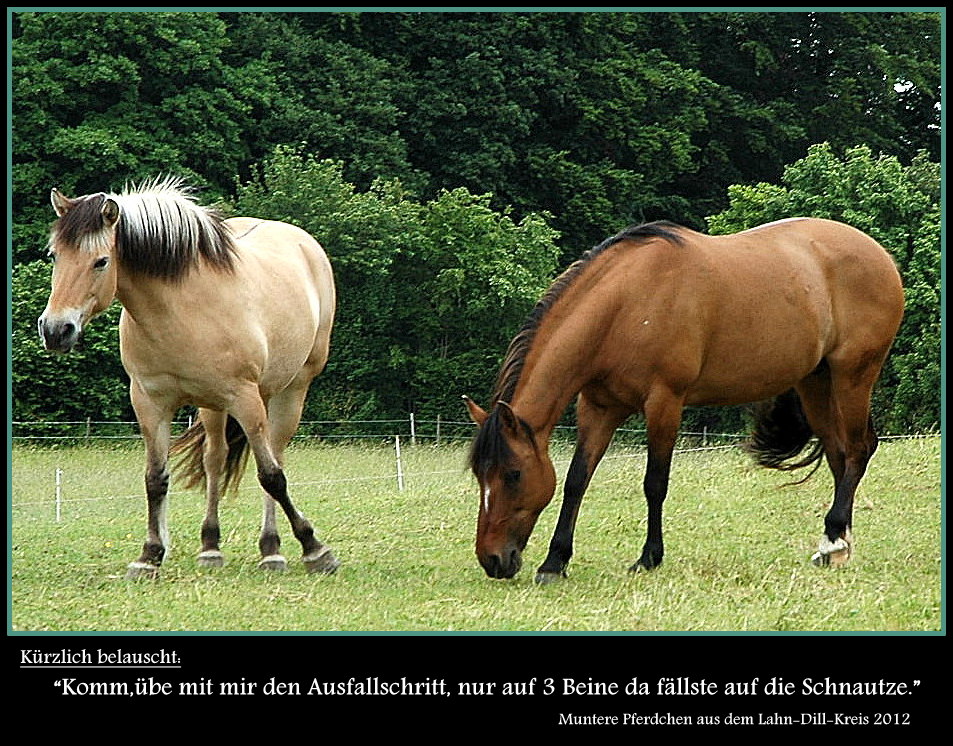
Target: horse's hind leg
[[837, 406], [269, 543], [836, 544], [251, 414], [214, 453], [284, 415]]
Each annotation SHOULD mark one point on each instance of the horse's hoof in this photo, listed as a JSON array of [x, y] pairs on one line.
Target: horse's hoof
[[211, 558], [321, 561], [142, 571], [273, 563], [547, 578], [642, 566], [832, 553]]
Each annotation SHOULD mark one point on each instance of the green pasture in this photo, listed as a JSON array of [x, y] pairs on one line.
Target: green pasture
[[738, 544]]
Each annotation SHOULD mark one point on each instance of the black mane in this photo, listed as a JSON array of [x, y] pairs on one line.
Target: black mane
[[512, 366], [489, 448]]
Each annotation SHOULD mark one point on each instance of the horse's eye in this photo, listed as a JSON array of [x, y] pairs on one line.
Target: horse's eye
[[101, 263], [511, 478]]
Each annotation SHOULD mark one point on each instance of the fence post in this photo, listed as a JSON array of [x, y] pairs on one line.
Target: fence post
[[438, 429], [413, 430], [59, 493], [400, 467]]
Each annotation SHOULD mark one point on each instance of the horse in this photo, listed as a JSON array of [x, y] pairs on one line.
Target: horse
[[798, 314], [232, 316]]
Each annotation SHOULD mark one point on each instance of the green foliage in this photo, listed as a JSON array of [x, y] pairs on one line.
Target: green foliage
[[102, 99], [593, 119], [899, 206], [428, 294]]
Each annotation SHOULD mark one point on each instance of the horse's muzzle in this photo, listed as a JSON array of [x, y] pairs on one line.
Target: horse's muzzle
[[501, 566], [58, 335]]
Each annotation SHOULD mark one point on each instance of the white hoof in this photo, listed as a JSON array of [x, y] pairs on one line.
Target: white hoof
[[832, 553], [142, 571], [273, 563], [211, 558], [321, 561]]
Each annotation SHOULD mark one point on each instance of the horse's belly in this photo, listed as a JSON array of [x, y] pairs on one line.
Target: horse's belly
[[747, 374]]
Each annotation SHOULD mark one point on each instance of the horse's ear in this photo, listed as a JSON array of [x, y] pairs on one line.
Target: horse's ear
[[477, 413], [508, 417], [61, 203], [110, 211]]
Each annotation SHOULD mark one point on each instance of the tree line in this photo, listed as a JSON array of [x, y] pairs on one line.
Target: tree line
[[453, 163]]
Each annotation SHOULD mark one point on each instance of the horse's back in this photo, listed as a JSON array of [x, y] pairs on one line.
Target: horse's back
[[821, 285], [773, 301], [283, 256], [861, 281], [272, 240]]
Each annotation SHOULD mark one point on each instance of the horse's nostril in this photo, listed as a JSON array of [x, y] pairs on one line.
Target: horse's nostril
[[58, 336], [492, 565]]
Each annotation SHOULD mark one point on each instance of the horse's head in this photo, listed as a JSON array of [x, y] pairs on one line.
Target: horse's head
[[84, 267], [517, 481]]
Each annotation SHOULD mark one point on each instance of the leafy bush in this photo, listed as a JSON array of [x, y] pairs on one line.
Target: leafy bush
[[429, 294]]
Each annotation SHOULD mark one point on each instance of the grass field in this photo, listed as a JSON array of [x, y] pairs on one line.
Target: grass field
[[737, 549]]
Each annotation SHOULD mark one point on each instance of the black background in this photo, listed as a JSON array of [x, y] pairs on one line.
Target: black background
[[498, 658]]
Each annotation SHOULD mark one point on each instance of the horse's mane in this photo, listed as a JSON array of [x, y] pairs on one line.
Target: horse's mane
[[512, 365], [489, 448], [161, 231]]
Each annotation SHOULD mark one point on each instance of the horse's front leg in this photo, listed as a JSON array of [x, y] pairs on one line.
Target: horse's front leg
[[155, 426], [597, 425], [214, 454], [663, 416]]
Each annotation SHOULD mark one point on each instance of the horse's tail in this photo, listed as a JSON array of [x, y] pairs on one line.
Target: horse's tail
[[189, 448], [781, 433]]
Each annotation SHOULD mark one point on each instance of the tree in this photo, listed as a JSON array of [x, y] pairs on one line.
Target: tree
[[593, 119], [101, 99], [429, 293], [343, 102]]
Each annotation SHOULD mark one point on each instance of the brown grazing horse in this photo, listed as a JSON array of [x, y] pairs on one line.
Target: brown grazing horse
[[801, 312], [232, 316]]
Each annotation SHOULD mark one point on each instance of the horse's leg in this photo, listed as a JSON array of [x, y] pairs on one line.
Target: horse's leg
[[250, 412], [154, 423], [284, 415], [596, 428], [663, 415], [214, 453], [269, 543], [838, 409], [858, 441]]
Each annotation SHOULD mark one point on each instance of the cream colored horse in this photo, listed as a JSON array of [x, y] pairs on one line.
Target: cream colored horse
[[231, 316]]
